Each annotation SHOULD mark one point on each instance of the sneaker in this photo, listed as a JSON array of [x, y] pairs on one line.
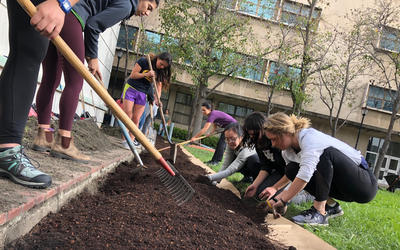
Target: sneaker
[[15, 165], [334, 211], [212, 163], [136, 143], [125, 145], [311, 217]]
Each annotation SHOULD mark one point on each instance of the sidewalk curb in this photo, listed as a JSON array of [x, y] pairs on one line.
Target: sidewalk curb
[[20, 220]]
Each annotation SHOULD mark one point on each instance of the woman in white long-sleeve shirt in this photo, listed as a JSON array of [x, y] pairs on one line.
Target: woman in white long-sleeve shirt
[[238, 158], [323, 165]]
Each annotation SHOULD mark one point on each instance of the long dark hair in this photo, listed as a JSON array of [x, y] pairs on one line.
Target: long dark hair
[[255, 121], [162, 75]]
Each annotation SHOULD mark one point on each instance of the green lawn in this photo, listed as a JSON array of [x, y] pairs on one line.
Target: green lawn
[[375, 225]]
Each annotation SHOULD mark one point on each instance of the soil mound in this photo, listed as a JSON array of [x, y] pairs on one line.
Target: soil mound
[[86, 133], [132, 209]]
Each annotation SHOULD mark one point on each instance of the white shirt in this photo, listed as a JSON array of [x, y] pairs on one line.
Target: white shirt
[[312, 144]]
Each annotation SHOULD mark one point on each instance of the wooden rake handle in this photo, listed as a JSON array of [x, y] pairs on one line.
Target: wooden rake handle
[[100, 90], [184, 142]]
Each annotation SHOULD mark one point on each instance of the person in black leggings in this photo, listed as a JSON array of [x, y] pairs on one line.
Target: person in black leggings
[[323, 165], [18, 84]]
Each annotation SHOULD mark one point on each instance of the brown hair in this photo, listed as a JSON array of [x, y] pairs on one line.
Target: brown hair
[[280, 123]]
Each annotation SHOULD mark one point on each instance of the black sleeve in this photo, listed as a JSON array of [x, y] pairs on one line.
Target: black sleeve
[[143, 64], [271, 159]]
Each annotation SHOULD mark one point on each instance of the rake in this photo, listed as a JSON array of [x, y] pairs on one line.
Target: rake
[[176, 184]]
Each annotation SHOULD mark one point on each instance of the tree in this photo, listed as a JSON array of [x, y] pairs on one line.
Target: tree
[[377, 21], [337, 84], [205, 37]]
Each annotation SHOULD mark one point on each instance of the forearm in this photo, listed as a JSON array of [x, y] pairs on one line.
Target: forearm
[[260, 178], [137, 75], [281, 183], [296, 186]]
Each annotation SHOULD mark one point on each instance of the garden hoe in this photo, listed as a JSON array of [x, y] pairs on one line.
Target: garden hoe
[[176, 184]]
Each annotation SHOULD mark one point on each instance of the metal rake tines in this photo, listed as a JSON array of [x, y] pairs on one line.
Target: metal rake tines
[[179, 188]]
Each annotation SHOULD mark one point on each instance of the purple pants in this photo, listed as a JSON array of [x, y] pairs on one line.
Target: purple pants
[[133, 95], [53, 65]]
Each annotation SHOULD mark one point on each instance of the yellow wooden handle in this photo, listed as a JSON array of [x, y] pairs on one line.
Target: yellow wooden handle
[[98, 88]]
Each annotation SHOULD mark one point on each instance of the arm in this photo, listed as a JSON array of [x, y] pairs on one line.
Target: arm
[[159, 86], [252, 189], [114, 13], [229, 166], [202, 131], [295, 188], [49, 18], [135, 74]]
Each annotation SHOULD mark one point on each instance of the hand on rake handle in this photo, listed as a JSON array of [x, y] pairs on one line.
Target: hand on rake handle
[[48, 19], [93, 65]]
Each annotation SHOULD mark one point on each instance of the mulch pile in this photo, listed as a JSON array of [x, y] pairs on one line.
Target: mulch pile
[[132, 209]]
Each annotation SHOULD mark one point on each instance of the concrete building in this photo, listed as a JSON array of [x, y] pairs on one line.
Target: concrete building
[[369, 116]]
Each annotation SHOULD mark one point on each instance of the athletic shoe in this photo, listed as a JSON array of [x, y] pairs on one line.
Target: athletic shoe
[[311, 217], [15, 165], [212, 163], [125, 145], [136, 144], [334, 211]]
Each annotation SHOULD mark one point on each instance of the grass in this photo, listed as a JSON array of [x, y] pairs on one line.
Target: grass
[[375, 225]]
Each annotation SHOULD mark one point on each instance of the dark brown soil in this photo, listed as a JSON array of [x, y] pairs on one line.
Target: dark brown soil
[[133, 210]]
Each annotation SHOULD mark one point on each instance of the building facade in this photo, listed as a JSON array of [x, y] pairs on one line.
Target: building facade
[[367, 119]]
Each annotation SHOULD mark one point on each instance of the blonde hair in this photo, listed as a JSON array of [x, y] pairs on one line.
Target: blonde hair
[[280, 123]]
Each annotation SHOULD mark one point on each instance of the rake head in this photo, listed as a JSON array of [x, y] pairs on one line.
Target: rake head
[[179, 188]]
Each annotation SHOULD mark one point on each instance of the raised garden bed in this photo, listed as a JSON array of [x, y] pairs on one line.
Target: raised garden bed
[[133, 210]]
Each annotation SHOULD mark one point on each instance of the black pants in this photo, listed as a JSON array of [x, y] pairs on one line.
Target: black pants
[[337, 176], [251, 166], [219, 151], [18, 79]]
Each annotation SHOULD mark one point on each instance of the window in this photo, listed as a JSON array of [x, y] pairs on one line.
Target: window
[[296, 14], [132, 32], [233, 110], [262, 8], [250, 67], [390, 39], [150, 42], [380, 98], [282, 74], [182, 108]]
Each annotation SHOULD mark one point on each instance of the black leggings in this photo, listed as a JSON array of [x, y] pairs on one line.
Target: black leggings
[[251, 166], [18, 79], [337, 176], [219, 151]]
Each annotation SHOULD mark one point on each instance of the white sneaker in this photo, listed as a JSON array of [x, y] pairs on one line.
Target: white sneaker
[[125, 145]]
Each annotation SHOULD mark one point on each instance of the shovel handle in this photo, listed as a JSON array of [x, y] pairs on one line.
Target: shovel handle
[[100, 90]]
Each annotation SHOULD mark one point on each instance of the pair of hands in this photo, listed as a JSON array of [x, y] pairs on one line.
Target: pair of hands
[[275, 205], [150, 73]]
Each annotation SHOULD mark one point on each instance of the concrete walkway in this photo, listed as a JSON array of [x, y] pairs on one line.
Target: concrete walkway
[[283, 230]]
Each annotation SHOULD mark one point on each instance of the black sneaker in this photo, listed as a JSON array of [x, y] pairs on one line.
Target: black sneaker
[[212, 163], [15, 165], [334, 211], [311, 217]]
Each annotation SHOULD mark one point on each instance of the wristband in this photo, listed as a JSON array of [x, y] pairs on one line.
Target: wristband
[[283, 202], [65, 5]]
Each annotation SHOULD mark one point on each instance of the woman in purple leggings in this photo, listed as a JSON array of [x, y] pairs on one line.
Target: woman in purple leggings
[[92, 17]]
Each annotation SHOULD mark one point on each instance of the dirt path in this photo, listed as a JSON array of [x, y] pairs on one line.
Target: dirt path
[[133, 210]]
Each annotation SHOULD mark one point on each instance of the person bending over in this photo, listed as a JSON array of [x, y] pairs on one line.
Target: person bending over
[[238, 158], [323, 165], [140, 82], [272, 165], [218, 119]]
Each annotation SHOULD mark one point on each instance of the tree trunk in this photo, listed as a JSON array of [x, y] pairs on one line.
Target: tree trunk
[[197, 116], [388, 137]]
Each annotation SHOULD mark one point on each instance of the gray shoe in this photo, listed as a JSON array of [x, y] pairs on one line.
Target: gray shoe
[[15, 165], [311, 217], [334, 211]]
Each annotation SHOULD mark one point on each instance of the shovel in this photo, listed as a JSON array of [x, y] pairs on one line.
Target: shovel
[[176, 184]]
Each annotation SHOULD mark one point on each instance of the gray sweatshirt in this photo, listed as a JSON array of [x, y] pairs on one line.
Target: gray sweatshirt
[[98, 15], [234, 160]]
